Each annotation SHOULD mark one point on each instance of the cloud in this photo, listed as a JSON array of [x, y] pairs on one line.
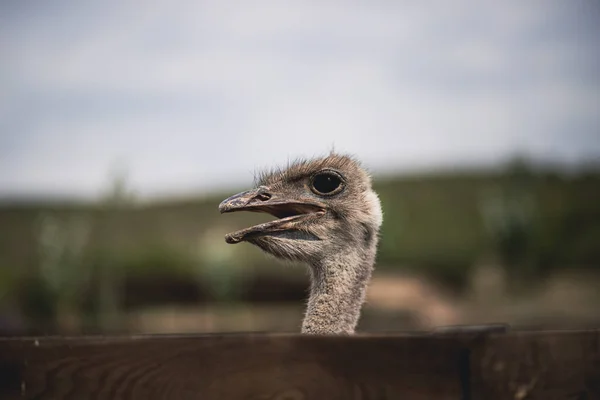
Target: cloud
[[193, 95]]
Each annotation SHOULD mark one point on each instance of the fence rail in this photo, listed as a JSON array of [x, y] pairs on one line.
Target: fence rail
[[444, 365]]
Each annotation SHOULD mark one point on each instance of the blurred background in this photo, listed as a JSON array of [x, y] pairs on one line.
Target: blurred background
[[123, 124]]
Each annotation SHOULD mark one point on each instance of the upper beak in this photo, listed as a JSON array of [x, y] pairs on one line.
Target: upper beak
[[245, 200]]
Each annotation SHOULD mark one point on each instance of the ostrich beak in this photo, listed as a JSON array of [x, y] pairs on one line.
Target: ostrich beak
[[290, 212], [244, 201]]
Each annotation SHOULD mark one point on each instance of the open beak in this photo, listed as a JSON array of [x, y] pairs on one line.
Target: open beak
[[290, 212]]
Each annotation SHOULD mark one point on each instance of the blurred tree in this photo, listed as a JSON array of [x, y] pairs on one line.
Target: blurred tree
[[507, 210], [118, 199], [61, 245]]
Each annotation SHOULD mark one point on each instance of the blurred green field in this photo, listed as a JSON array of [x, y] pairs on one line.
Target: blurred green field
[[119, 254]]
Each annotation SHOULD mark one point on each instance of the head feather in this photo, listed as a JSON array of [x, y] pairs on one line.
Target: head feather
[[303, 167]]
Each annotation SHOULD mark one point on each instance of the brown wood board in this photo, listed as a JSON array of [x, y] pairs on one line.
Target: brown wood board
[[527, 365]]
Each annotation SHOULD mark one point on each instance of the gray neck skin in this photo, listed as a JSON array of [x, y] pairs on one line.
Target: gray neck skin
[[337, 292]]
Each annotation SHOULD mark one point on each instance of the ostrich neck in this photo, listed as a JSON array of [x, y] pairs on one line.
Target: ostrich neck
[[337, 292]]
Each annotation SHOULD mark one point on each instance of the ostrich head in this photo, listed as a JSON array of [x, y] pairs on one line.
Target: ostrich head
[[324, 206], [328, 217]]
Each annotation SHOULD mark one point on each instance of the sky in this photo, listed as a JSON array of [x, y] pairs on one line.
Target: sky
[[193, 96]]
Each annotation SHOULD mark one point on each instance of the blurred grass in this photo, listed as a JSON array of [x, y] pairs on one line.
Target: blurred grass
[[99, 258]]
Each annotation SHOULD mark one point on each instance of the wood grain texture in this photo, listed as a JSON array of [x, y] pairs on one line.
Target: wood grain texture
[[294, 367], [290, 367], [537, 365]]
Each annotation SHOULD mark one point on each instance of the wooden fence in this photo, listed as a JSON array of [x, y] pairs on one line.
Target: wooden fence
[[443, 365]]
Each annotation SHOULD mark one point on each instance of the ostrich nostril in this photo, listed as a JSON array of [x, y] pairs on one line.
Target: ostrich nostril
[[263, 196]]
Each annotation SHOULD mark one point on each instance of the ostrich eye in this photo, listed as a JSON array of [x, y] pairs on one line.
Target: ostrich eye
[[326, 183]]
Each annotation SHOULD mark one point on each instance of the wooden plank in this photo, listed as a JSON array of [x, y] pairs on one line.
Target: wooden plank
[[536, 365], [454, 364], [290, 367]]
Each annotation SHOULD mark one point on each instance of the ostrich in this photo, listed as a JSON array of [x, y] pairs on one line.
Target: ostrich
[[329, 218]]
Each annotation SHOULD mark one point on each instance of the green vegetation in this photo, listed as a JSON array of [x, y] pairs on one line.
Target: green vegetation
[[83, 257]]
